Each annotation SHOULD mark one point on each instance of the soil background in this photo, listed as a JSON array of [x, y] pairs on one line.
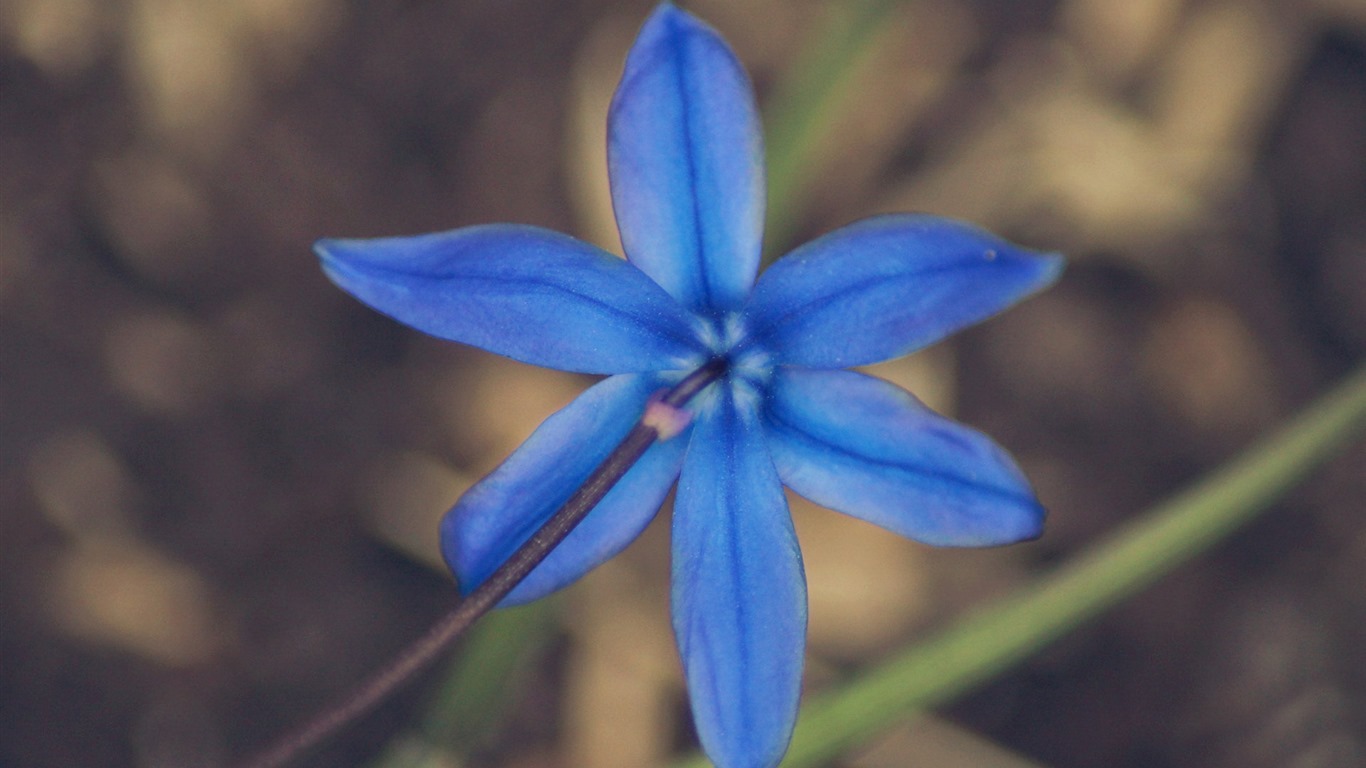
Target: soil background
[[219, 475]]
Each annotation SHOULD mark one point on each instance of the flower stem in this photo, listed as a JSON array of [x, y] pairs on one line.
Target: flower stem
[[650, 428]]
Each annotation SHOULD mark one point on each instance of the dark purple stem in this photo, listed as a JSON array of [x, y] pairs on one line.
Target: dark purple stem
[[496, 587]]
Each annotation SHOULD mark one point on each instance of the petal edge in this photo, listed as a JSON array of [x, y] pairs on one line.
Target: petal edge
[[524, 292], [504, 509], [685, 159], [886, 286], [739, 592], [861, 446]]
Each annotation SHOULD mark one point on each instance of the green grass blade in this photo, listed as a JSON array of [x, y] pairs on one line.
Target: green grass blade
[[803, 106]]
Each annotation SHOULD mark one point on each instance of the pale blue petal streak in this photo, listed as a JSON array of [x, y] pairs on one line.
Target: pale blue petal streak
[[504, 509], [864, 447], [528, 293], [887, 286], [739, 593], [685, 157]]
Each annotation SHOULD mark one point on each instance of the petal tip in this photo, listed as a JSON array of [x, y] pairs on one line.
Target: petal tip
[[1031, 525], [1019, 518], [336, 252], [1017, 524], [334, 258], [669, 11], [1051, 267], [1023, 524], [326, 248]]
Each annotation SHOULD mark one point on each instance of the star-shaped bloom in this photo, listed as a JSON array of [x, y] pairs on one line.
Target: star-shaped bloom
[[685, 160]]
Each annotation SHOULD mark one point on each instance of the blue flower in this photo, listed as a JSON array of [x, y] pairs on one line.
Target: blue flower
[[685, 159]]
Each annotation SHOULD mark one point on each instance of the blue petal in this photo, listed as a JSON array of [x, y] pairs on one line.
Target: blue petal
[[504, 509], [861, 446], [524, 292], [685, 157], [887, 286], [739, 593]]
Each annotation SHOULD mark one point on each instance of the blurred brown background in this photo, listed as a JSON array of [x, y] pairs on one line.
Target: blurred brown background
[[219, 475]]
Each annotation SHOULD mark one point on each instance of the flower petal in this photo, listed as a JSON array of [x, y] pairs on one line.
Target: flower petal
[[685, 157], [861, 446], [739, 593], [524, 292], [503, 510], [887, 286]]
